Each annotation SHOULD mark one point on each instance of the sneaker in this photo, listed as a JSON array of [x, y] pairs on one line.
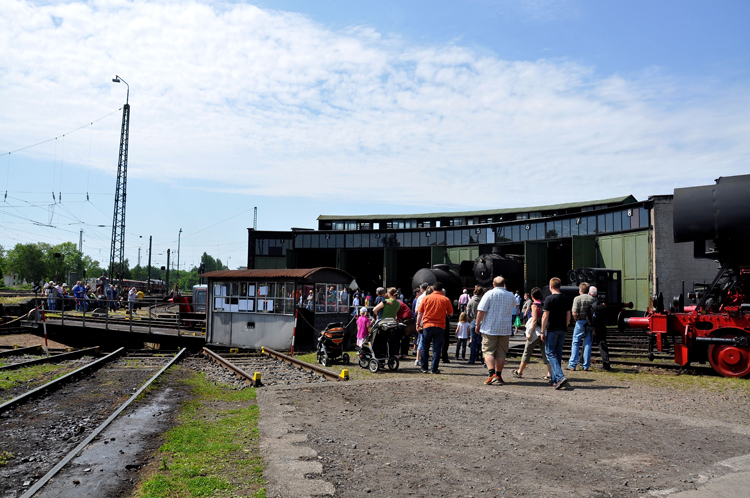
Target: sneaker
[[560, 384], [471, 362], [500, 379], [572, 369], [424, 371], [446, 360], [436, 371], [585, 369], [494, 379], [516, 374]]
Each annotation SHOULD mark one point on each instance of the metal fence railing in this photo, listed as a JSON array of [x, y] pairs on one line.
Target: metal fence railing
[[110, 313]]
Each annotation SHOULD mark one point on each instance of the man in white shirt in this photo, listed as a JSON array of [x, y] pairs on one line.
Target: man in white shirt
[[495, 324]]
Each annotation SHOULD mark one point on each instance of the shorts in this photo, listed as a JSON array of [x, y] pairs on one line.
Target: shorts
[[529, 349], [495, 345]]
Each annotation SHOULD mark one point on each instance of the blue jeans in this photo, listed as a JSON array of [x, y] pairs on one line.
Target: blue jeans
[[582, 332], [553, 346], [476, 343], [434, 336]]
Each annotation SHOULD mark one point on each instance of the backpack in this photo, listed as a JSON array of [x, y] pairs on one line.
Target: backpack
[[598, 313]]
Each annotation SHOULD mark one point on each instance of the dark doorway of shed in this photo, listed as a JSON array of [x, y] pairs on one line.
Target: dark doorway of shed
[[315, 258], [559, 259], [408, 262], [366, 266]]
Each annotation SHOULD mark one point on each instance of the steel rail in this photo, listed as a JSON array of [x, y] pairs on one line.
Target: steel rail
[[21, 351], [61, 380], [70, 456], [303, 365], [229, 365], [52, 359]]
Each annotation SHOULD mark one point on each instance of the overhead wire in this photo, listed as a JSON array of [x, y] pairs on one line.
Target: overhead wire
[[68, 133]]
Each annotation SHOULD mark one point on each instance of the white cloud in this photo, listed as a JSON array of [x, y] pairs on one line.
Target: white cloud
[[272, 103]]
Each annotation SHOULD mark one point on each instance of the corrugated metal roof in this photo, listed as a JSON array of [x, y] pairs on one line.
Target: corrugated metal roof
[[260, 274], [487, 212]]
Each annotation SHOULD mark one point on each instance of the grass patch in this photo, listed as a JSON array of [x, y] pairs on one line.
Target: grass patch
[[12, 299], [213, 451], [33, 376]]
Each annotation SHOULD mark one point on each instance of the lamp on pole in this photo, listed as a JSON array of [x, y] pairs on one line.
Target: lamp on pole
[[117, 250]]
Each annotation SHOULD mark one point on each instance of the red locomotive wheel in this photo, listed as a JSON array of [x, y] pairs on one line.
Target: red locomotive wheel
[[729, 361]]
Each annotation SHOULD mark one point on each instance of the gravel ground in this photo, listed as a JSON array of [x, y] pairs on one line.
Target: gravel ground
[[450, 435], [40, 432], [273, 372]]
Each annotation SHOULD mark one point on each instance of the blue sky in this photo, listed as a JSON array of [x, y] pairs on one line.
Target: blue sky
[[333, 107]]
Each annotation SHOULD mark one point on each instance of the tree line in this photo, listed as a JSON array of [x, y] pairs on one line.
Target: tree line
[[42, 262]]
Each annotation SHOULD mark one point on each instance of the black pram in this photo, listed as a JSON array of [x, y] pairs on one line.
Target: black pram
[[375, 352]]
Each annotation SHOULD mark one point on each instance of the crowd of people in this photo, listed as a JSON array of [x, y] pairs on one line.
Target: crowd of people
[[84, 299], [487, 320]]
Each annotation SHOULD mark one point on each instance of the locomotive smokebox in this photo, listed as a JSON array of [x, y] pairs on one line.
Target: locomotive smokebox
[[716, 218], [489, 266], [439, 273]]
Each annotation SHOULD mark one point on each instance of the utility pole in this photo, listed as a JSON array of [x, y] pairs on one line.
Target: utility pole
[[80, 254], [178, 254], [139, 256], [168, 269], [148, 281], [117, 251], [255, 218]]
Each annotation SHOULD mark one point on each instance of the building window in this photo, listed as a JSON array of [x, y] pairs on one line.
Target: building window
[[254, 297], [457, 222], [350, 225], [338, 225], [522, 216]]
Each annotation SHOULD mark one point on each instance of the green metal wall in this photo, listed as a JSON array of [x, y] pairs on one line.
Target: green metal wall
[[535, 265], [454, 255], [270, 262], [584, 251], [629, 253]]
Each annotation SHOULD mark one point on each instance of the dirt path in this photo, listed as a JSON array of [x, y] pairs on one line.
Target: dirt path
[[449, 435]]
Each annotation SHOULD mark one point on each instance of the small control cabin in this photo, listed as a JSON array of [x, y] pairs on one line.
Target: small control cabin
[[257, 308]]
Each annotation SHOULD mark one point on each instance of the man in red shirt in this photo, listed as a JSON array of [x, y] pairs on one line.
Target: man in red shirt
[[431, 319]]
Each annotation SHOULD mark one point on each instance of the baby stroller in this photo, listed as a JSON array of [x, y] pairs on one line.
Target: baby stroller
[[375, 353], [331, 345]]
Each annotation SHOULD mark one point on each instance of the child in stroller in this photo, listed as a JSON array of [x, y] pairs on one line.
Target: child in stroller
[[375, 352], [331, 345]]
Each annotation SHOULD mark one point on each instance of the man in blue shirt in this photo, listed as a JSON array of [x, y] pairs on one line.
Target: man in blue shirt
[[78, 292]]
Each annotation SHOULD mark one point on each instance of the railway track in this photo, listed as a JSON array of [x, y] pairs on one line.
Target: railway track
[[274, 368], [44, 429]]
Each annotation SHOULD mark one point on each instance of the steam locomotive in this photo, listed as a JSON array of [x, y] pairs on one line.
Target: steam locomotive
[[715, 327]]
